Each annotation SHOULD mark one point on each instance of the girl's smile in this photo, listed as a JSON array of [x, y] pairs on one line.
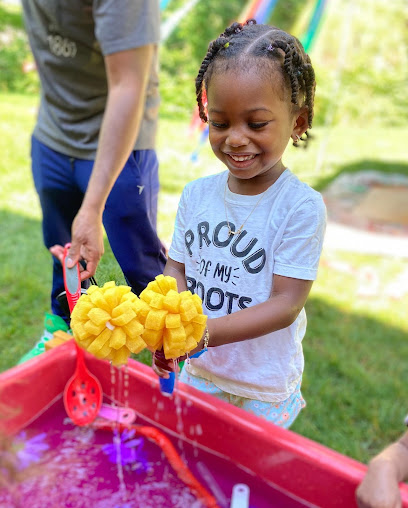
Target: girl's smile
[[241, 160], [251, 122]]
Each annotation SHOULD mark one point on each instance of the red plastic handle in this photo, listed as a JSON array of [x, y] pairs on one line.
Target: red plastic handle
[[72, 280], [81, 369]]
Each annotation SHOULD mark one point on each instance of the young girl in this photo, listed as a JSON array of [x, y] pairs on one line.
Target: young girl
[[248, 240]]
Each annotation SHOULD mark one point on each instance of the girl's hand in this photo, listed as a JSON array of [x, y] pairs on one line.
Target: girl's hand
[[163, 367], [198, 348]]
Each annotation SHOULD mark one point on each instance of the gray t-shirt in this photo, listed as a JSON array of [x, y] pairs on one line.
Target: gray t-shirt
[[69, 39], [283, 235]]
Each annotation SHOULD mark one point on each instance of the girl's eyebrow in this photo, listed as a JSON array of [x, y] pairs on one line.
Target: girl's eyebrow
[[252, 110]]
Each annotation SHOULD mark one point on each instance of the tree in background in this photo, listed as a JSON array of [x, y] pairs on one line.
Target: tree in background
[[184, 50]]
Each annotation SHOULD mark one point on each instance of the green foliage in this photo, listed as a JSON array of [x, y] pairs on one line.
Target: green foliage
[[361, 63], [15, 54], [182, 53], [287, 13], [10, 17]]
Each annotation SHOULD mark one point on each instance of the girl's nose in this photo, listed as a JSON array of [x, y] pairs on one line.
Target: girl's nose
[[236, 138]]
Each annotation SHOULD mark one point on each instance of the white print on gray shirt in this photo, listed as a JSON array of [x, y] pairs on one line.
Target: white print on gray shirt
[[62, 46]]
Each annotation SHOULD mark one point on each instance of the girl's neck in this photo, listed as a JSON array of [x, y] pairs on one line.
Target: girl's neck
[[258, 184]]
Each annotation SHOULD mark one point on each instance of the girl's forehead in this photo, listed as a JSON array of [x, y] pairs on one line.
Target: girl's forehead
[[245, 84], [254, 72]]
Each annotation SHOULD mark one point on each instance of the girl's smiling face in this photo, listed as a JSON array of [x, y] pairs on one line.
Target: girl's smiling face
[[250, 124]]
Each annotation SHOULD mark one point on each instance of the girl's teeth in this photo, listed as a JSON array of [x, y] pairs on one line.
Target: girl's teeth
[[242, 159]]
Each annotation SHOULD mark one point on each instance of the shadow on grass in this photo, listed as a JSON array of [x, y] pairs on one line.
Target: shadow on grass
[[364, 165], [354, 381]]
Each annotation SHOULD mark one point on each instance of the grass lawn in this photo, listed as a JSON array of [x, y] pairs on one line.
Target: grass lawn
[[356, 348]]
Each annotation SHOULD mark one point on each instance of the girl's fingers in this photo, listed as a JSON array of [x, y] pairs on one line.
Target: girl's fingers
[[161, 363], [165, 365], [160, 372], [160, 360]]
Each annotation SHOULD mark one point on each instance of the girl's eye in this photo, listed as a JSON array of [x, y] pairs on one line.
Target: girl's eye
[[218, 125], [258, 125]]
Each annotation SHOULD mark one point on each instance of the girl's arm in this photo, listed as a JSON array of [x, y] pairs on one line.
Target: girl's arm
[[176, 270], [279, 311]]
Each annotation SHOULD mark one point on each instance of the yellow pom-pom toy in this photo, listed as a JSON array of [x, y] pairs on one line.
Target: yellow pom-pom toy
[[111, 322], [105, 322], [172, 321]]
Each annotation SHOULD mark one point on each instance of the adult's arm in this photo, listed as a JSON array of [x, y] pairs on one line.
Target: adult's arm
[[127, 74], [379, 488]]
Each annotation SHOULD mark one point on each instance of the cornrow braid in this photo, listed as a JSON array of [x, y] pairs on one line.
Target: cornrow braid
[[213, 48], [222, 42], [252, 40]]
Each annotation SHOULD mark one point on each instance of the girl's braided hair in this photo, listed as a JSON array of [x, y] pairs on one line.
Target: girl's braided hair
[[253, 40]]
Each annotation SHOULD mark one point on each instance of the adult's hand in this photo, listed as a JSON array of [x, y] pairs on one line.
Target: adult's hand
[[87, 241], [379, 488], [91, 249]]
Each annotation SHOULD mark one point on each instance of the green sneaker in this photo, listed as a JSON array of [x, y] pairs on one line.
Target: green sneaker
[[52, 323]]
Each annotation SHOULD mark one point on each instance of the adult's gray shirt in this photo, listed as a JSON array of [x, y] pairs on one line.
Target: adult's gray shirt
[[69, 39]]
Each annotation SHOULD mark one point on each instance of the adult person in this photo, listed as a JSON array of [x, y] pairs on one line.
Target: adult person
[[379, 488], [93, 157]]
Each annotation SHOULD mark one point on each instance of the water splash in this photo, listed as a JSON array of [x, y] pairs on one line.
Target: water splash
[[116, 435], [131, 451], [29, 451]]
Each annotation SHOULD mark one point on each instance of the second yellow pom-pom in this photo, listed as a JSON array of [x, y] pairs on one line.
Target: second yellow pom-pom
[[174, 321]]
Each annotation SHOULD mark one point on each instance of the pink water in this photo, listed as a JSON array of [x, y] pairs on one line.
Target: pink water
[[61, 465]]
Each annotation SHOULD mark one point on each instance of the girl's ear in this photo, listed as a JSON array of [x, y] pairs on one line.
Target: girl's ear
[[301, 122]]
